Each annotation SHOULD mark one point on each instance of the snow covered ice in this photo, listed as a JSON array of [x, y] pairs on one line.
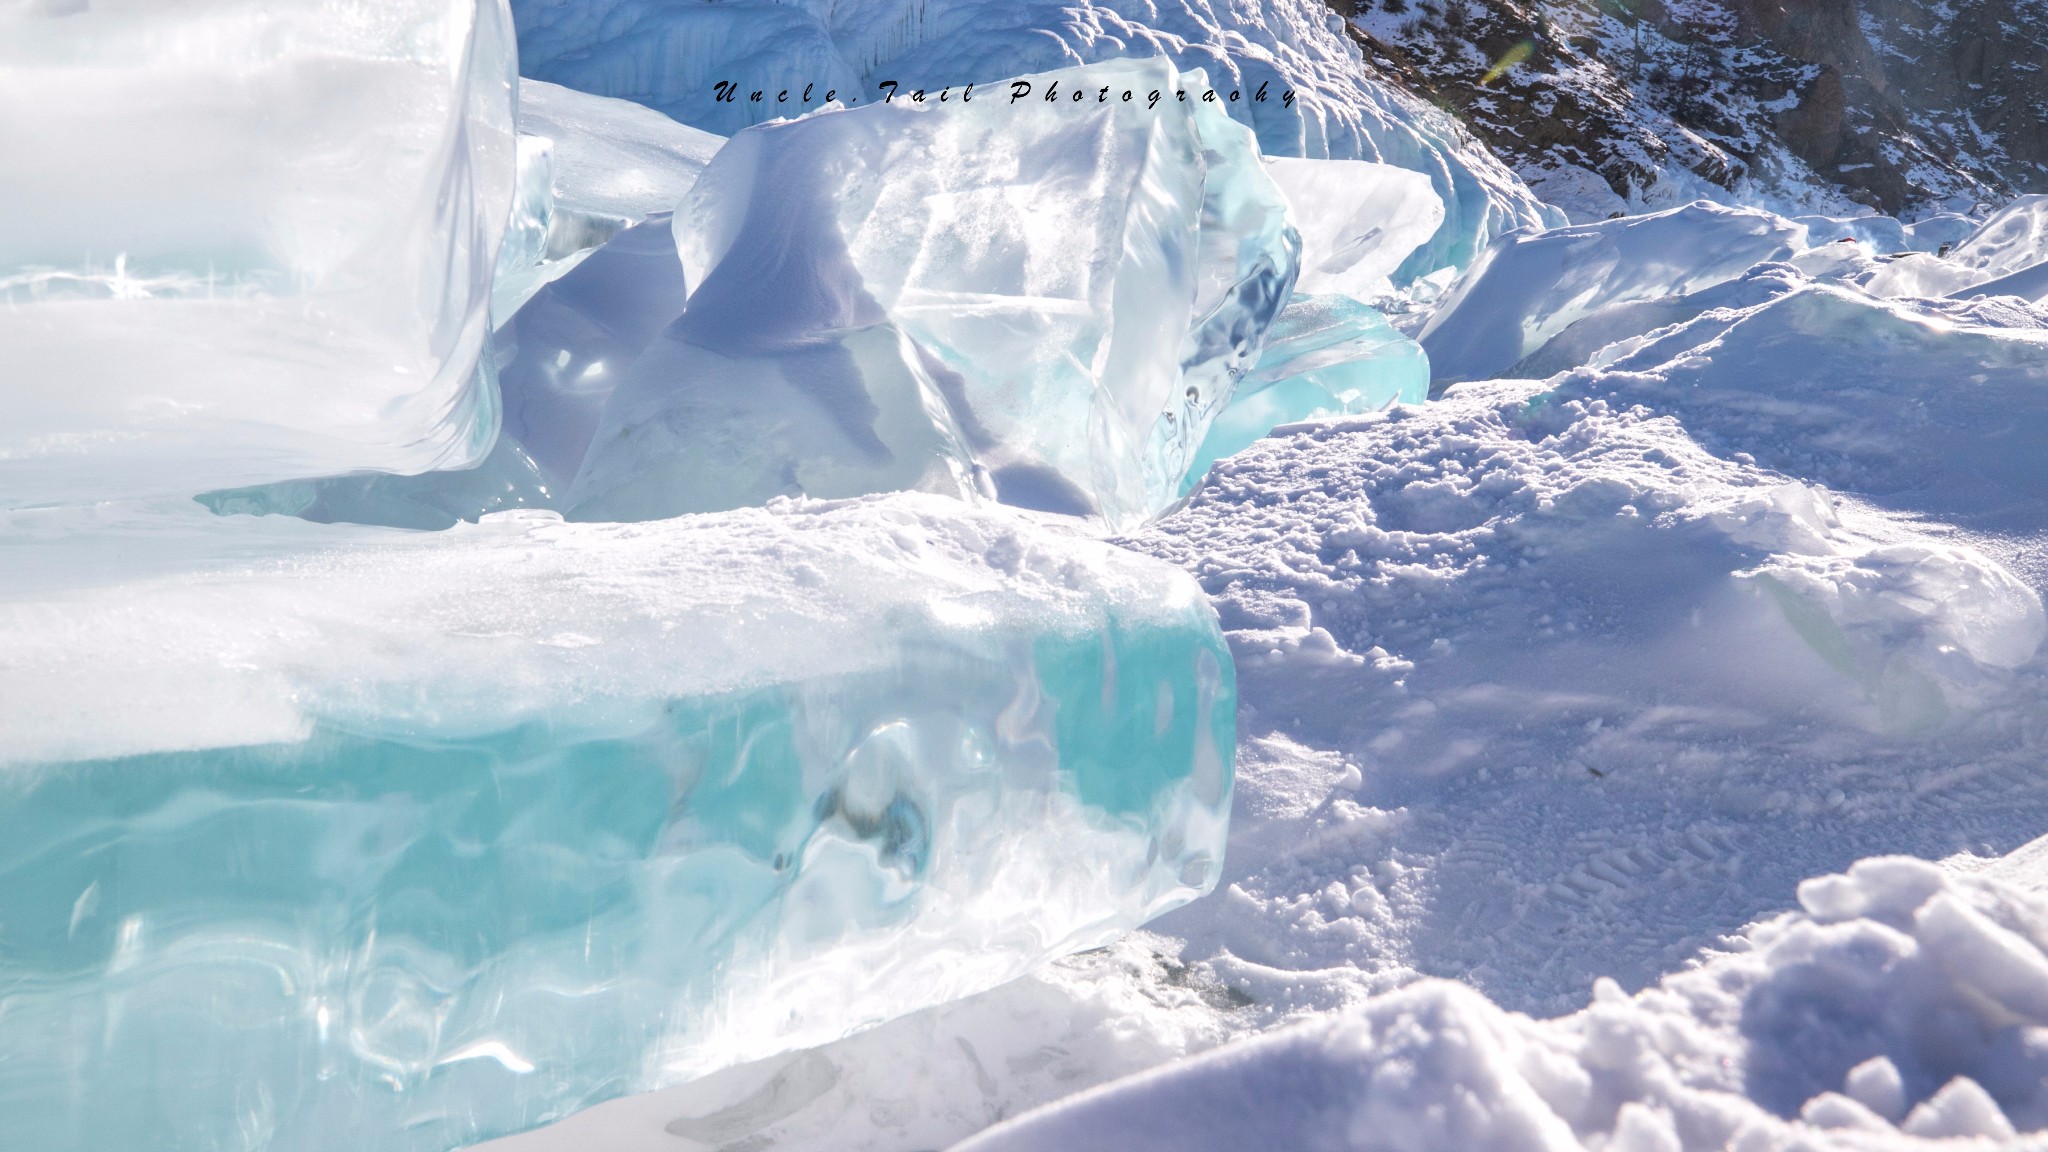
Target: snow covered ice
[[1529, 286], [406, 840], [250, 243]]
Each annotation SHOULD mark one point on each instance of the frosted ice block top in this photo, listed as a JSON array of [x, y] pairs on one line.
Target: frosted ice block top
[[332, 838], [246, 242]]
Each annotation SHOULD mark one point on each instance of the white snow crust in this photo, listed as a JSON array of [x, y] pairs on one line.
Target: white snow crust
[[1893, 1011]]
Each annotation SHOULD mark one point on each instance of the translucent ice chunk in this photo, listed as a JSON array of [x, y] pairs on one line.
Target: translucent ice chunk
[[523, 257], [589, 166], [1046, 301], [614, 158], [1359, 222], [1529, 286], [322, 838], [1301, 85], [1324, 356], [563, 352], [262, 240]]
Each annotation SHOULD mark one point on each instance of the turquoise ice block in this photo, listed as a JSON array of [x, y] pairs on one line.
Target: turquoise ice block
[[374, 840]]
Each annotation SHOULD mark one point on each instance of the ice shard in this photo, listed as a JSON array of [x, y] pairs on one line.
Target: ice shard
[[589, 167], [1324, 356], [1046, 302], [321, 838], [262, 241], [1359, 222], [613, 159]]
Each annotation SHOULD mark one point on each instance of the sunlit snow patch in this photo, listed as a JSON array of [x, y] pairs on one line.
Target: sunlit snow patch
[[1901, 1005]]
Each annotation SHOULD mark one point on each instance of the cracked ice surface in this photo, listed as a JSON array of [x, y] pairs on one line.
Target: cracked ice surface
[[321, 837], [207, 300]]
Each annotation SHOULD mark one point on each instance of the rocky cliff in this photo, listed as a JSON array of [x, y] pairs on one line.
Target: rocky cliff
[[1902, 105]]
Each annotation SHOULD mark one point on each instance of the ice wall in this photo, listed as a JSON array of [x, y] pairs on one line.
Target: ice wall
[[262, 240], [669, 56], [1042, 302], [334, 838]]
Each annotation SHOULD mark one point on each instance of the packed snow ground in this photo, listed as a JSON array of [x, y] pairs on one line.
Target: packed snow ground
[[1551, 688]]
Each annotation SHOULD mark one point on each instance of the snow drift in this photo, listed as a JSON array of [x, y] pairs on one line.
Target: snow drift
[[1901, 1005]]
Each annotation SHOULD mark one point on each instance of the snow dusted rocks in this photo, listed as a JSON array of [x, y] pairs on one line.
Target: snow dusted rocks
[[1045, 303], [262, 241], [405, 840], [1902, 1004]]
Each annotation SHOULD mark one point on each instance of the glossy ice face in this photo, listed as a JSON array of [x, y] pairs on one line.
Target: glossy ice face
[[262, 240], [1324, 356], [315, 837], [1041, 302]]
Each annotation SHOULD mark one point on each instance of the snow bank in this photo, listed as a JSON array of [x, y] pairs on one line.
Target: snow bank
[[262, 245], [453, 833], [670, 55], [1885, 235], [1608, 333], [1929, 406], [2010, 240], [1529, 286], [1902, 1004]]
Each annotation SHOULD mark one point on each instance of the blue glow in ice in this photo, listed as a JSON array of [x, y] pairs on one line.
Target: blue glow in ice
[[1324, 356], [410, 840]]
